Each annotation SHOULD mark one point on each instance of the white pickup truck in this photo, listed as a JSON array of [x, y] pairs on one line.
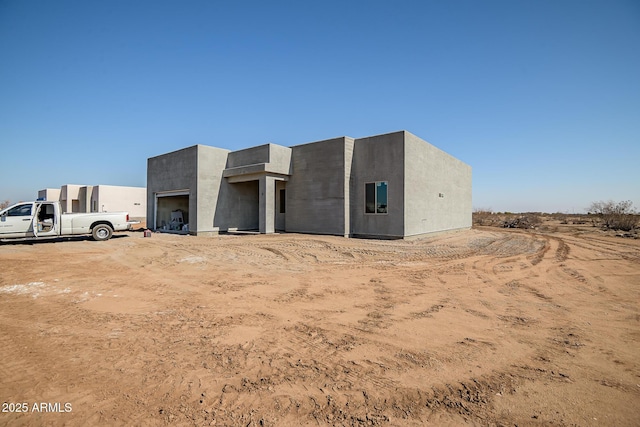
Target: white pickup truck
[[45, 219]]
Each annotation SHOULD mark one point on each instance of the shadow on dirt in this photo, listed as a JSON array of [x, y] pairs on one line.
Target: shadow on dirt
[[45, 240]]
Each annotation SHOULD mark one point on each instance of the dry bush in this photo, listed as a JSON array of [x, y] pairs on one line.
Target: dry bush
[[614, 216], [483, 217], [566, 218], [507, 219], [4, 204], [526, 220], [579, 219], [562, 217]]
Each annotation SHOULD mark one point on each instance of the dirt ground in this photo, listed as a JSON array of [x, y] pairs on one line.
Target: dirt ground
[[479, 327]]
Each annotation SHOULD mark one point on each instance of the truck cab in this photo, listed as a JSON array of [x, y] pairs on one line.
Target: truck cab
[[30, 219]]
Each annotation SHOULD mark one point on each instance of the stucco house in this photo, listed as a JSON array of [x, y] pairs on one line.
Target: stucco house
[[386, 186], [99, 198]]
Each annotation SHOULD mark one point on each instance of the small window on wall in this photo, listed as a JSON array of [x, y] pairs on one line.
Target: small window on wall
[[375, 197]]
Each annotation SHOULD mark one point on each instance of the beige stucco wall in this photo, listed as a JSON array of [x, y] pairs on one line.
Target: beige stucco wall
[[112, 198]]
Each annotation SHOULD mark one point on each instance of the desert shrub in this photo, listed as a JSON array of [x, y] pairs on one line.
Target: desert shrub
[[4, 204], [614, 216], [527, 220], [626, 222], [562, 217], [483, 217]]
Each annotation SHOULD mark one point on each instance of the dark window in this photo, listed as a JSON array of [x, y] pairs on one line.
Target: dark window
[[282, 201], [21, 210], [376, 197], [370, 198]]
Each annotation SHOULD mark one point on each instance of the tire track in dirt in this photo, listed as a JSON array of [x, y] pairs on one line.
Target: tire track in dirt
[[37, 374], [16, 341], [569, 293], [462, 398], [607, 248], [329, 331]]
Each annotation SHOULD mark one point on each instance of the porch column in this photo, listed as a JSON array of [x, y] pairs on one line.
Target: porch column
[[267, 204]]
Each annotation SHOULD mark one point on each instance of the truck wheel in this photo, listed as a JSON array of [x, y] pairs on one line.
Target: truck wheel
[[102, 232]]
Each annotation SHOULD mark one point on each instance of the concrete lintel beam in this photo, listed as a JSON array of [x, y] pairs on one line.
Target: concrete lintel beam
[[256, 177], [255, 169]]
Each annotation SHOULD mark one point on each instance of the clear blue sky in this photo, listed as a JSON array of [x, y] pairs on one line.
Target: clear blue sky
[[541, 98]]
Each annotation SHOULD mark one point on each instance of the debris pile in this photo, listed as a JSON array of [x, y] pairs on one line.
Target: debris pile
[[525, 221]]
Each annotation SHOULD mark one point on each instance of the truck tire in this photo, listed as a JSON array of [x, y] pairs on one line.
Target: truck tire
[[101, 232]]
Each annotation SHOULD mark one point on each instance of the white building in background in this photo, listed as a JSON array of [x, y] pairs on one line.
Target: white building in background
[[99, 198], [49, 194]]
